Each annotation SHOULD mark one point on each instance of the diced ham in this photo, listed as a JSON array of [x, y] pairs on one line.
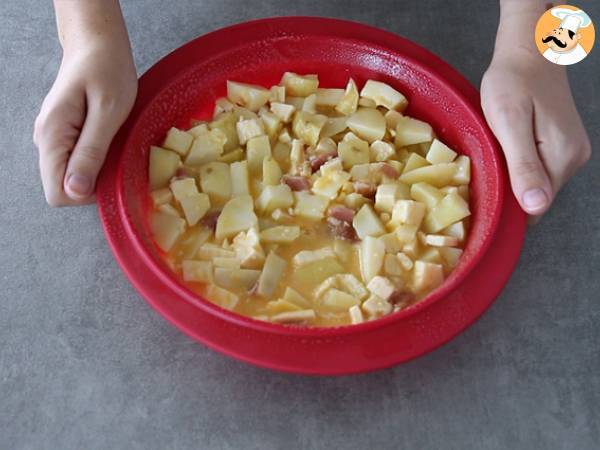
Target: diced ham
[[210, 220], [365, 188], [342, 213], [341, 229], [402, 299], [183, 172], [317, 161], [389, 171], [297, 183]]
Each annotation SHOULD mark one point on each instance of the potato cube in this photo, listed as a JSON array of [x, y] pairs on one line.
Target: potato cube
[[236, 279], [271, 171], [391, 120], [281, 152], [440, 153], [226, 262], [167, 208], [366, 223], [297, 158], [426, 194], [353, 151], [277, 94], [405, 261], [222, 105], [232, 156], [355, 201], [280, 234], [271, 274], [326, 146], [257, 149], [386, 196], [248, 250], [406, 233], [299, 85], [248, 95], [226, 124], [344, 250], [349, 101], [335, 300], [450, 209], [310, 104], [182, 188], [391, 242], [178, 141], [310, 206], [451, 255], [333, 126], [412, 131], [161, 196], [382, 287], [384, 95], [239, 178], [215, 180], [194, 207], [272, 123], [273, 197], [382, 151], [456, 230], [293, 296], [414, 161], [371, 255], [197, 271], [237, 215], [316, 271], [162, 166], [427, 275], [198, 130], [463, 172], [222, 297], [308, 126], [334, 166], [281, 306], [284, 137], [391, 265], [283, 111], [208, 251], [437, 175], [367, 102], [329, 185], [296, 102], [368, 124], [408, 212], [248, 129], [306, 315], [166, 229], [438, 240], [356, 315], [329, 97], [375, 306]]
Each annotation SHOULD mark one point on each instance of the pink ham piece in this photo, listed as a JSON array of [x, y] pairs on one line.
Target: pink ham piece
[[341, 229], [210, 220], [342, 213], [318, 160], [365, 188], [389, 171], [297, 183], [402, 299]]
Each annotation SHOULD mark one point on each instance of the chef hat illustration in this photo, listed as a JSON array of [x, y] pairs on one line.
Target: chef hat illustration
[[570, 19]]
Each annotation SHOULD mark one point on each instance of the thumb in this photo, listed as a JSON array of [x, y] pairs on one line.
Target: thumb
[[513, 127], [89, 152]]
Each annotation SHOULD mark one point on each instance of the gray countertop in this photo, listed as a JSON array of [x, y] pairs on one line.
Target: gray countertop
[[86, 363]]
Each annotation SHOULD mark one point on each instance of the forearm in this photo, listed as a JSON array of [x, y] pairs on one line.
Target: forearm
[[89, 21], [516, 28]]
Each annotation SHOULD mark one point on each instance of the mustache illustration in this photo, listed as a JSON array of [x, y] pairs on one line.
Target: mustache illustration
[[556, 41]]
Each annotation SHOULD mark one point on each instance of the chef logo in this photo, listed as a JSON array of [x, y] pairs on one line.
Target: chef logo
[[564, 35]]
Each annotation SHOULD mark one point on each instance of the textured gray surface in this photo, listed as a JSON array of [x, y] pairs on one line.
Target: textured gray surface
[[85, 363]]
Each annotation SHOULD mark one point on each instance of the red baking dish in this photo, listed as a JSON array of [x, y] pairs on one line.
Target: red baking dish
[[186, 83]]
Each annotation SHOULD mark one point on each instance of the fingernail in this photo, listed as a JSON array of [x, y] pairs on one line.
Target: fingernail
[[535, 199], [79, 185]]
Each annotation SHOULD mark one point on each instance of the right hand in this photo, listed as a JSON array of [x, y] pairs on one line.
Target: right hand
[[92, 96]]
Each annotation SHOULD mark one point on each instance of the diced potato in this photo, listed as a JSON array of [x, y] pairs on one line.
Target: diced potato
[[248, 95], [353, 151], [257, 149], [440, 153], [330, 184], [405, 261], [194, 207], [344, 250], [375, 306], [293, 296], [222, 297], [308, 126], [280, 234], [272, 123], [367, 102], [192, 241], [392, 266], [415, 161], [296, 102], [334, 166], [197, 271], [450, 209], [277, 94], [299, 85], [426, 194], [283, 111], [309, 206], [326, 145], [215, 180], [391, 242], [412, 248], [368, 124], [232, 156], [273, 197], [222, 105], [439, 240], [162, 167], [427, 275], [161, 196], [248, 129], [284, 137], [384, 95], [367, 223], [236, 279], [451, 255], [237, 215], [281, 153], [281, 306], [355, 201], [412, 131], [226, 262], [382, 287], [408, 212], [305, 315], [297, 158], [226, 123], [406, 233], [310, 104], [456, 230], [315, 272], [178, 141], [437, 175], [349, 101], [271, 274], [333, 126], [271, 171], [169, 209], [386, 196], [463, 172], [239, 178], [240, 113], [391, 120], [337, 301], [183, 188], [208, 251], [248, 250], [382, 151], [329, 97], [166, 229], [371, 254]]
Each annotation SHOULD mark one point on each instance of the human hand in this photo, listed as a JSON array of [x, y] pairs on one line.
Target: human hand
[[528, 104], [92, 96]]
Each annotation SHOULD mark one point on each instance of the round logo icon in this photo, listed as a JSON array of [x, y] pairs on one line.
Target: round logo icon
[[565, 35]]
